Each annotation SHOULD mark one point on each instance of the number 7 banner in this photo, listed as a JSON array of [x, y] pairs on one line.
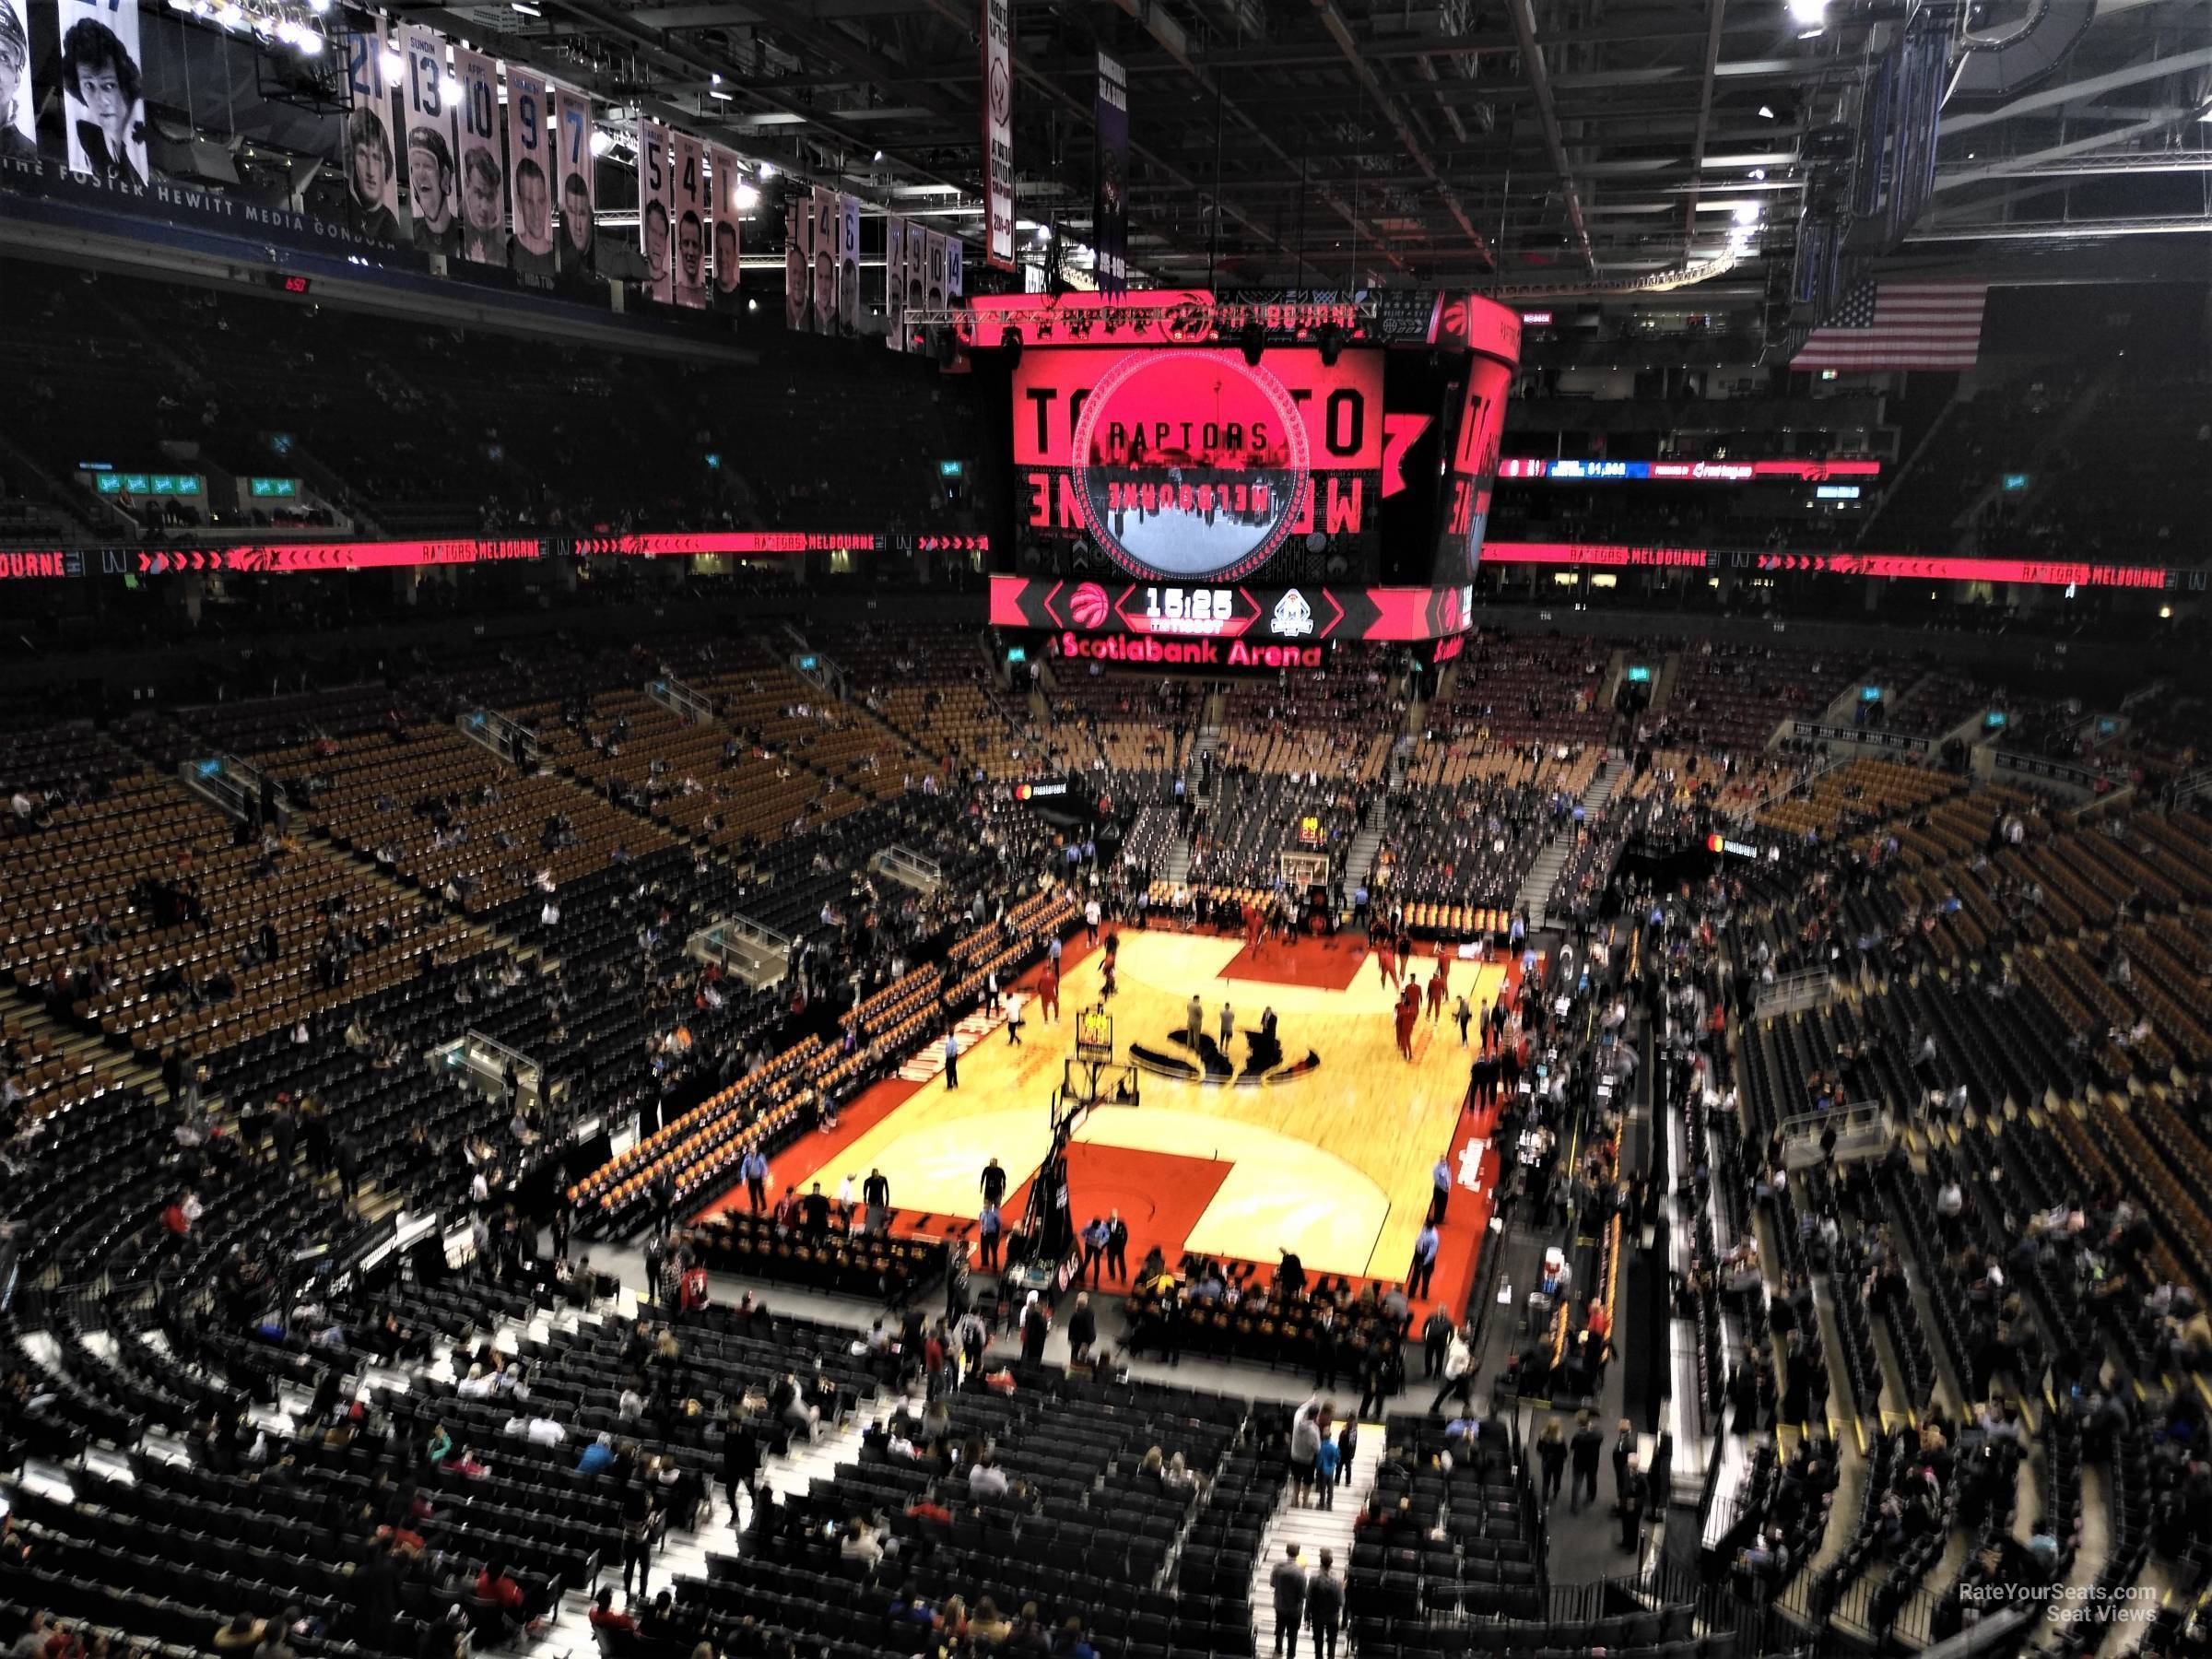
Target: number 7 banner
[[577, 168]]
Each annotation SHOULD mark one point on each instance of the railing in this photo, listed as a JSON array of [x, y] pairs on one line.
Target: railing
[[1792, 992], [2193, 785], [1863, 1130], [904, 865], [680, 699], [225, 782], [1897, 743], [509, 739], [755, 954]]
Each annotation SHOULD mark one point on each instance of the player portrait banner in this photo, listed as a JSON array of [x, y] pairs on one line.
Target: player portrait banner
[[848, 263], [727, 230], [483, 163], [103, 83], [688, 180], [430, 135], [894, 279], [366, 151], [933, 276], [576, 179], [798, 237], [1109, 202], [532, 167], [18, 105], [825, 260], [657, 198], [998, 132]]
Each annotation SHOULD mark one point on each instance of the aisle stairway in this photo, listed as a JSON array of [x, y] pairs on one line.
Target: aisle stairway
[[1535, 891], [928, 1060], [1312, 1530]]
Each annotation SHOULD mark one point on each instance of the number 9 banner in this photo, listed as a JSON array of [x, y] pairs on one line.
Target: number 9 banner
[[529, 155]]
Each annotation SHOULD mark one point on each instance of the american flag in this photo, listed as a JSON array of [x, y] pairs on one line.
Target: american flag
[[1899, 325]]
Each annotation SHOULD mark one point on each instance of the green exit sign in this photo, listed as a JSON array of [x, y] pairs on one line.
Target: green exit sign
[[146, 484], [270, 489], [1639, 674]]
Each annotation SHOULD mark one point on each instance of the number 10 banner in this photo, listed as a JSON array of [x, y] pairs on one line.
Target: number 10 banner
[[483, 170]]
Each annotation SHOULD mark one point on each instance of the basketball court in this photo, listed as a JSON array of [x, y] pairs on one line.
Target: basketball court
[[1328, 1153]]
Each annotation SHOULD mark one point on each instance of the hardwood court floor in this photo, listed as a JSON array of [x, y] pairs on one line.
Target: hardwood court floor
[[1333, 1164]]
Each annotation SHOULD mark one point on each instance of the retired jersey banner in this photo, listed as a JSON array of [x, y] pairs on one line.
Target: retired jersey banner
[[427, 99], [483, 165], [365, 148], [687, 172], [825, 260], [728, 214], [998, 132], [657, 195], [894, 280], [577, 169], [1109, 202], [933, 276], [531, 167], [19, 109], [103, 101], [798, 238], [956, 268], [848, 263]]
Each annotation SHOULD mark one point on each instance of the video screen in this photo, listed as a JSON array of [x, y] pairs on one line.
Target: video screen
[[1194, 464]]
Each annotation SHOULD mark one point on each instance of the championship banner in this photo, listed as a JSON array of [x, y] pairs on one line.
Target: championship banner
[[18, 108], [894, 279], [998, 132], [798, 237], [103, 108], [531, 165], [432, 145], [578, 177], [848, 263], [825, 260], [1110, 203], [365, 147], [729, 179], [656, 195], [483, 172], [933, 277], [687, 167]]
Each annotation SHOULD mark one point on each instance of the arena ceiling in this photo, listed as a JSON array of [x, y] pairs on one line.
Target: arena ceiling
[[1311, 142]]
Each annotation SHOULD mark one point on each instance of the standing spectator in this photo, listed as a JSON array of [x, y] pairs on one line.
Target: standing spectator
[[1459, 1375], [989, 1226], [1036, 1324], [1117, 1247], [1082, 1331], [1289, 1583], [1436, 1340], [1327, 1460], [1551, 1452], [1324, 1606], [1624, 1453], [1305, 1443], [1584, 1449]]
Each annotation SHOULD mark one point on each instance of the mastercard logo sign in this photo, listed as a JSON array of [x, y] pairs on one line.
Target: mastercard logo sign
[[1192, 464]]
